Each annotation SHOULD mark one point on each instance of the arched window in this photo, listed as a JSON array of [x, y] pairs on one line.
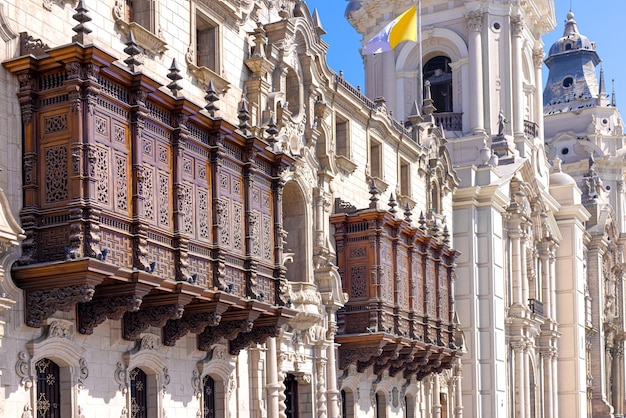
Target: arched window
[[138, 393], [48, 389], [437, 70], [295, 223], [347, 404], [381, 405], [291, 396], [208, 393], [410, 406]]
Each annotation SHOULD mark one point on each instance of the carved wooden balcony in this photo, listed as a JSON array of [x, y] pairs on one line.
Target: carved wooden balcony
[[399, 281], [141, 207]]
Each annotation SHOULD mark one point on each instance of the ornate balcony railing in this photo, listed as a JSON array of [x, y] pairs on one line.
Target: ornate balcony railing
[[140, 207], [531, 130], [450, 121], [399, 314]]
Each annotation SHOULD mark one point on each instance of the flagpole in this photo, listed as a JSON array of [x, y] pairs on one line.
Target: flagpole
[[420, 69]]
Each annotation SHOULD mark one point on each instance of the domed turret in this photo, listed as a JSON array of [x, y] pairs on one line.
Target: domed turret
[[572, 81], [571, 39]]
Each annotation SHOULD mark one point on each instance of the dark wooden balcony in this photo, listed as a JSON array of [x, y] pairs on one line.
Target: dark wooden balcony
[[399, 314], [141, 207]]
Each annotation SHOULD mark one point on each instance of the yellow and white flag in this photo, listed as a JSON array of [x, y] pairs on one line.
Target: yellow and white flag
[[402, 28]]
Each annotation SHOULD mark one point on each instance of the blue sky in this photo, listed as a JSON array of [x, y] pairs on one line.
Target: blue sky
[[600, 20]]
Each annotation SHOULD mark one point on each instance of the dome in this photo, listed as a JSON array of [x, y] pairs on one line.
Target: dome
[[558, 177], [571, 40], [353, 6], [561, 179]]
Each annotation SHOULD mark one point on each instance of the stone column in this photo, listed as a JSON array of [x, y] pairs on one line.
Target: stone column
[[524, 266], [552, 312], [520, 392], [517, 27], [544, 256], [516, 266], [538, 114], [331, 386], [458, 389], [436, 397], [546, 359], [272, 386], [474, 26], [525, 357]]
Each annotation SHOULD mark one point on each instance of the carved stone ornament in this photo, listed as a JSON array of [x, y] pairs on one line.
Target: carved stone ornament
[[83, 373], [120, 377], [61, 329], [22, 369]]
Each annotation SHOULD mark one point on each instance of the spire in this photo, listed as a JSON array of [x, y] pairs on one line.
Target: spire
[[82, 17], [317, 24], [132, 49], [613, 99], [602, 86], [174, 75]]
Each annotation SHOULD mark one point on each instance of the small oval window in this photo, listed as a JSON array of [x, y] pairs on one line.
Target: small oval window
[[567, 82], [565, 151]]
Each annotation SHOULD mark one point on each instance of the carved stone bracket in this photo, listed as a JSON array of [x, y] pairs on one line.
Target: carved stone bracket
[[137, 322], [177, 328], [226, 329], [256, 335], [363, 355], [41, 304], [92, 314]]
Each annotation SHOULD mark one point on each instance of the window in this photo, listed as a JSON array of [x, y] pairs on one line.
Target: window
[[48, 389], [342, 136], [435, 198], [142, 12], [138, 393], [208, 393], [291, 396], [347, 404], [376, 160], [207, 46], [410, 406], [381, 405], [437, 70], [405, 178]]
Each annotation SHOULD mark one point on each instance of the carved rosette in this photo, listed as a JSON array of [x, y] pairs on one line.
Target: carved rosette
[[41, 304], [137, 322]]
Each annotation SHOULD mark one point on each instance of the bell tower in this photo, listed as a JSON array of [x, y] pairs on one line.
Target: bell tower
[[482, 59]]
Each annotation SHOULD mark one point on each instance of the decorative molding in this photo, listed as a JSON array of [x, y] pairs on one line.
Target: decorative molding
[[6, 32]]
